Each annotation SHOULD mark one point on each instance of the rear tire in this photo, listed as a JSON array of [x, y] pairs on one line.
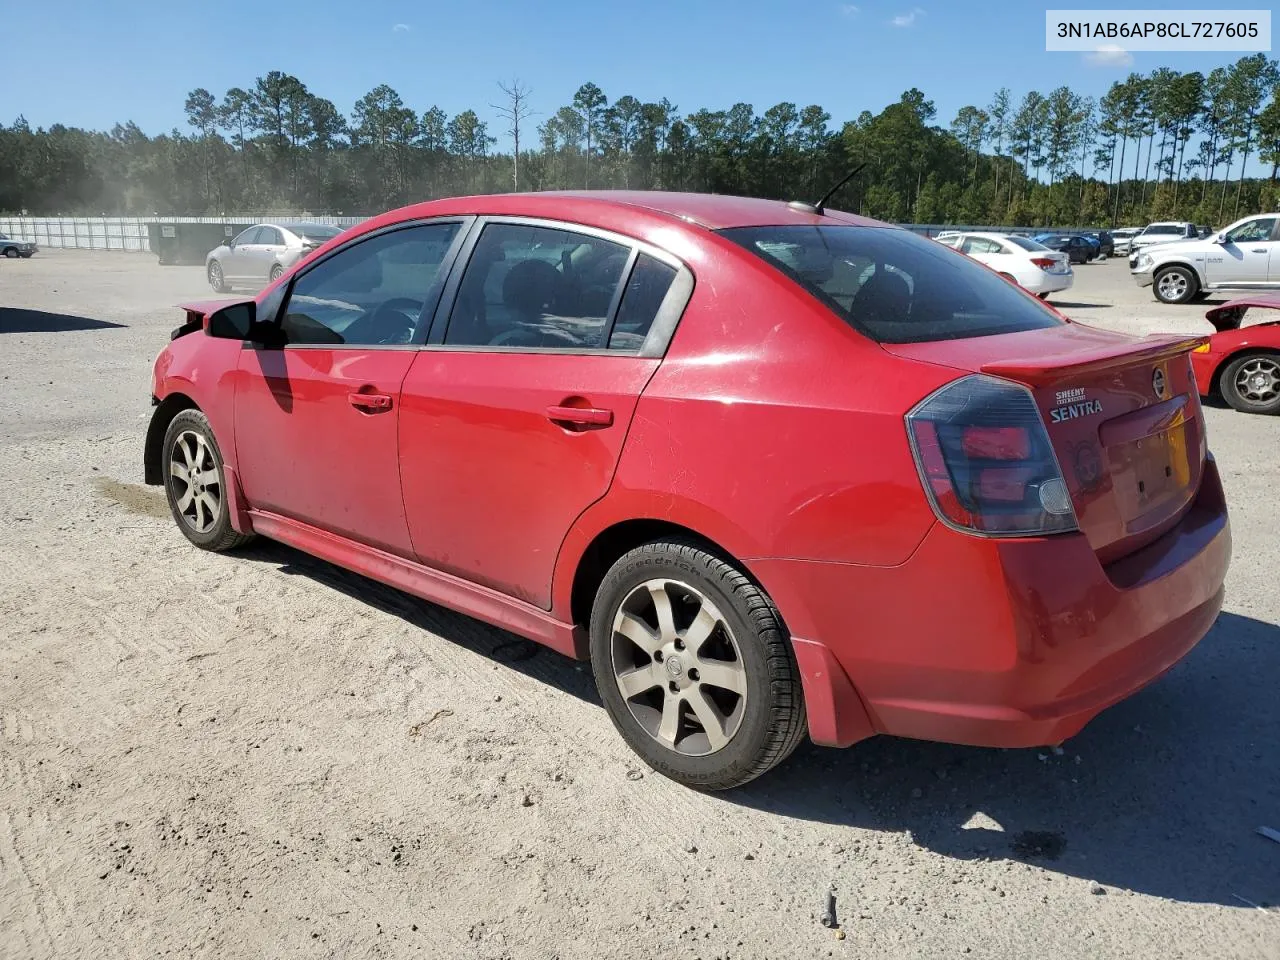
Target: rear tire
[[195, 484], [1176, 284], [276, 271], [11, 253], [1251, 383], [1043, 296], [1010, 278], [714, 697]]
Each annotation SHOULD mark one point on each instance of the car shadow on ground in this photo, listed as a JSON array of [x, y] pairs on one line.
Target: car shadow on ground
[[1072, 305], [1165, 798], [529, 658], [17, 320]]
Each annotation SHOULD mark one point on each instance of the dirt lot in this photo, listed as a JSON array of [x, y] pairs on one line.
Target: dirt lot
[[260, 755]]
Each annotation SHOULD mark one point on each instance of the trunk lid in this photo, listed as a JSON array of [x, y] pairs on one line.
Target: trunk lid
[[1230, 315], [1122, 413]]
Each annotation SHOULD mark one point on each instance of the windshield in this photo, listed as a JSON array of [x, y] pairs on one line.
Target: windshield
[[894, 286], [1164, 228], [1025, 244]]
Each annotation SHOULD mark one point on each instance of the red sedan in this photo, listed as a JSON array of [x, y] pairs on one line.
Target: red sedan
[[773, 469], [1241, 364]]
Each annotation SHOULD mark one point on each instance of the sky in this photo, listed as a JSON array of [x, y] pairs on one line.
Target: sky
[[93, 63]]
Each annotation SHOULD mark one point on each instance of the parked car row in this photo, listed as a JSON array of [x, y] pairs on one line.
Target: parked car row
[[1026, 262]]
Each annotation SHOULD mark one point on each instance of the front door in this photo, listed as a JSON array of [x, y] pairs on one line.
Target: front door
[[514, 416], [317, 420], [1245, 256], [239, 263]]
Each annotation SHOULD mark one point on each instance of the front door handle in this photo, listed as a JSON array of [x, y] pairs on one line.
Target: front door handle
[[581, 416], [369, 402]]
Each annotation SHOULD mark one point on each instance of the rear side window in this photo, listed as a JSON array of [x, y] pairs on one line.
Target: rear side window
[[646, 289], [893, 286]]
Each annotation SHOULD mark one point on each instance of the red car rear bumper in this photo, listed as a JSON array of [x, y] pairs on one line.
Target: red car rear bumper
[[1007, 643]]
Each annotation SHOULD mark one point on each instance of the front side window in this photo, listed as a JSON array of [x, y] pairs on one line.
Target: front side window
[[893, 286], [534, 286], [378, 291], [1252, 231], [246, 237]]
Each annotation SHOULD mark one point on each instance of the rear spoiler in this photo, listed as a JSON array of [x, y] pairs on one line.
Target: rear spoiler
[[1229, 315], [197, 310], [1040, 372]]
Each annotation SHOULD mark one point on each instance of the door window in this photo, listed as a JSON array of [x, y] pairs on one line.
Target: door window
[[1253, 231], [980, 245], [379, 291], [246, 237], [270, 236], [543, 287]]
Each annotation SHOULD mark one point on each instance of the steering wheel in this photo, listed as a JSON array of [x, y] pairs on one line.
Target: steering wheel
[[522, 336], [393, 321]]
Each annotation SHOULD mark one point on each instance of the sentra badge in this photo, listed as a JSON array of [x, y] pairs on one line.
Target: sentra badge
[[1073, 403]]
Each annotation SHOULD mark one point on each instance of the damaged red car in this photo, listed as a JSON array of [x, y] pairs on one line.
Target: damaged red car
[[774, 470], [1241, 364]]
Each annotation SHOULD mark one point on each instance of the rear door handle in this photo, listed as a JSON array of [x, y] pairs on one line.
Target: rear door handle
[[369, 402], [585, 416]]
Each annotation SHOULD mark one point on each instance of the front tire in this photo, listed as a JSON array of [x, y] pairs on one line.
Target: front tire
[[216, 278], [1176, 284], [195, 485], [1251, 383], [694, 666]]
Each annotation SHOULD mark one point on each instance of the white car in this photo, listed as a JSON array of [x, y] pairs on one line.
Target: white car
[[1123, 237], [1164, 231], [1031, 265], [1244, 256], [260, 254]]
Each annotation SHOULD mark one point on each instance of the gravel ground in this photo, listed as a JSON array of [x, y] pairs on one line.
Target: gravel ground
[[261, 755]]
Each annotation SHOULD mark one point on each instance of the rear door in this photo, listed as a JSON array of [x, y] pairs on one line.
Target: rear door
[[318, 420], [270, 244], [515, 414]]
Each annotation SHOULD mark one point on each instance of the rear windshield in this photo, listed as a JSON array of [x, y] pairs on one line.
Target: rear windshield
[[894, 286], [1025, 244], [1165, 228]]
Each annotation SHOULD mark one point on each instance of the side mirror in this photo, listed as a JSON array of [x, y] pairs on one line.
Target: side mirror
[[239, 321], [1221, 237]]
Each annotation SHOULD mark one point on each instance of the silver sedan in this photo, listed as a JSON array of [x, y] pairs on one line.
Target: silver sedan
[[263, 252]]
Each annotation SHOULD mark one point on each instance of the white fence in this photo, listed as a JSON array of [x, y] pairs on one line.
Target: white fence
[[130, 233], [124, 233]]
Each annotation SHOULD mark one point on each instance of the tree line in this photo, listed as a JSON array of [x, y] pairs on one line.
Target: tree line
[[1164, 145]]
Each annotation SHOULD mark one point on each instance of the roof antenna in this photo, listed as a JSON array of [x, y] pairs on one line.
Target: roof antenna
[[820, 206]]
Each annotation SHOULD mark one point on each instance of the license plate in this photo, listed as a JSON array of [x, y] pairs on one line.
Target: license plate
[[1147, 471]]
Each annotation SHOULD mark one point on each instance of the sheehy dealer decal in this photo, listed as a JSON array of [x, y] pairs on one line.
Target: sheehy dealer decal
[[1072, 404]]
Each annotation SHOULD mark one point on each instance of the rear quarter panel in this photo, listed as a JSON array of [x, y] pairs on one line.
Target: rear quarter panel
[[1223, 347]]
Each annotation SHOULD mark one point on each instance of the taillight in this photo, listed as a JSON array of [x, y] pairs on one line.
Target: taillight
[[986, 461], [1044, 263]]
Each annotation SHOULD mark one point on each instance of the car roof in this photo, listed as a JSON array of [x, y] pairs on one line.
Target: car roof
[[712, 211]]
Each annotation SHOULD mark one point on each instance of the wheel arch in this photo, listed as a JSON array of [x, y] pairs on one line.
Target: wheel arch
[[1244, 349], [152, 450]]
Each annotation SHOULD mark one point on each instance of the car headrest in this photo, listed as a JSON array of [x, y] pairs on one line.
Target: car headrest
[[530, 287]]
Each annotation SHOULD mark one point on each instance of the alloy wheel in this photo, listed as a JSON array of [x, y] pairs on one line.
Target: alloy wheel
[[193, 467], [678, 667], [1258, 380], [215, 276], [1173, 285]]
